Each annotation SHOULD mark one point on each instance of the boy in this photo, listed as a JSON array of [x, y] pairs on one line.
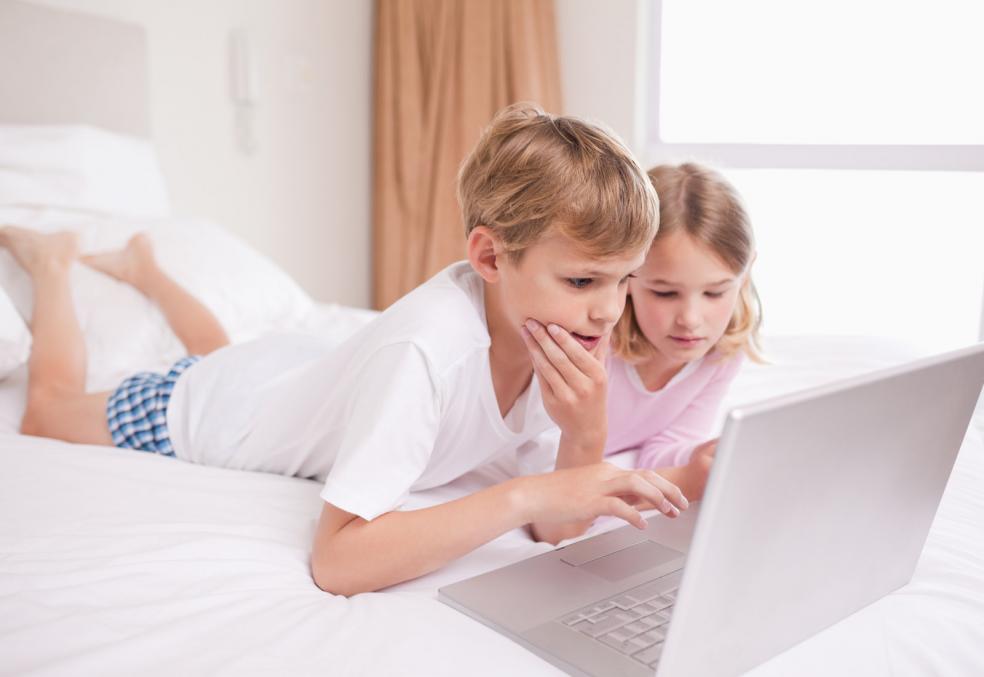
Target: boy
[[558, 215]]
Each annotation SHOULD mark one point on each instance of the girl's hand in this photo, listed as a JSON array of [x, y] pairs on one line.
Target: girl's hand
[[692, 477], [573, 382], [703, 456], [587, 492], [698, 468]]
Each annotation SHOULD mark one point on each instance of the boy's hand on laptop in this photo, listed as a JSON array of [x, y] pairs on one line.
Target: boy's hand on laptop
[[587, 492], [573, 382]]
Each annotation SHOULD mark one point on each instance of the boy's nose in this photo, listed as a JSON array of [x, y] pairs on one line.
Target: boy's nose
[[608, 308]]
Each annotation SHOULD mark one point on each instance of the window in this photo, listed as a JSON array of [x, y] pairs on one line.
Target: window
[[882, 253], [855, 133]]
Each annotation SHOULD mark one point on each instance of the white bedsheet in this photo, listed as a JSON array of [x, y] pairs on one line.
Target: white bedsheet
[[115, 562]]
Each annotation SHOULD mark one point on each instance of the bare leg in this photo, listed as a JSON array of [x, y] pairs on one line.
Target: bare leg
[[194, 324], [57, 404]]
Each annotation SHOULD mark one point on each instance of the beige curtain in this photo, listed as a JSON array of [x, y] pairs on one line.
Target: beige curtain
[[442, 70]]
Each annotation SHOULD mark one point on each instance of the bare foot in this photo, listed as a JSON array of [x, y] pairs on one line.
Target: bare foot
[[130, 264], [36, 251]]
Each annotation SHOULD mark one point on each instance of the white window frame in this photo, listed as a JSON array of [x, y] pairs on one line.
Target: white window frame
[[941, 158]]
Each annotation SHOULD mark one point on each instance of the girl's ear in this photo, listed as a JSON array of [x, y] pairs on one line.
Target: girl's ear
[[483, 253]]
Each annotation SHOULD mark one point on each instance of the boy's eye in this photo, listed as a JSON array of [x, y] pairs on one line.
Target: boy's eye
[[579, 282], [665, 294]]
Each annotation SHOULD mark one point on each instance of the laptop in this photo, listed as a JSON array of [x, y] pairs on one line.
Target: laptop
[[818, 503]]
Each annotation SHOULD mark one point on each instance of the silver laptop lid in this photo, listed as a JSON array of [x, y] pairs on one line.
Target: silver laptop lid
[[818, 504]]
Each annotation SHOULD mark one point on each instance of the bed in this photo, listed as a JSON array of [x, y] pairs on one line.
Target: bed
[[114, 562]]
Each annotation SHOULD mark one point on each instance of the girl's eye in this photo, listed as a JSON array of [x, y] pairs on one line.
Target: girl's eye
[[579, 282], [714, 294], [665, 294]]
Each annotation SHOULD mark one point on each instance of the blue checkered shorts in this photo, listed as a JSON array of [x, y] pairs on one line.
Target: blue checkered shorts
[[137, 410]]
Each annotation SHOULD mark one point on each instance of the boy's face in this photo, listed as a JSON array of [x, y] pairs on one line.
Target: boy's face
[[683, 297], [555, 282]]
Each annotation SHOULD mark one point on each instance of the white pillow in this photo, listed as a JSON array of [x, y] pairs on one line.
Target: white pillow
[[15, 339], [80, 168], [124, 332]]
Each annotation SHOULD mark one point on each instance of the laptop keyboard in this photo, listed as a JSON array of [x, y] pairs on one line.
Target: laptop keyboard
[[633, 623]]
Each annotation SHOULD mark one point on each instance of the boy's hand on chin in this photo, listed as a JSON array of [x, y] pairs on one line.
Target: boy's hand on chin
[[573, 382]]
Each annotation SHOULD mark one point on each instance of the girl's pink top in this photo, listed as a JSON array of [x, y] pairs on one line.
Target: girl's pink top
[[665, 425]]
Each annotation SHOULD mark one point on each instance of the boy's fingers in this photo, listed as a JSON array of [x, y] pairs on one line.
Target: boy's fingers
[[663, 506], [545, 388], [558, 356], [542, 366], [669, 490], [619, 508], [580, 358], [631, 483], [531, 343], [661, 493]]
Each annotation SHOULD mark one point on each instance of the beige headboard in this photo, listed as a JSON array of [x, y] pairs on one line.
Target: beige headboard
[[62, 67]]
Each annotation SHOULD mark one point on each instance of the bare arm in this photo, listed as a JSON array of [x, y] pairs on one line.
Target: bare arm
[[352, 555]]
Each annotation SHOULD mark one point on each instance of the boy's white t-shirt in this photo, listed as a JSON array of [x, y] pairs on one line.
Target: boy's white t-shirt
[[406, 403]]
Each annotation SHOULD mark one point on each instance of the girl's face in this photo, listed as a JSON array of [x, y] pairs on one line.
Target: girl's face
[[683, 297]]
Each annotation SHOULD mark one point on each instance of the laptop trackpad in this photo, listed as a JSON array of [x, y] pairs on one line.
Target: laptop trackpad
[[635, 559]]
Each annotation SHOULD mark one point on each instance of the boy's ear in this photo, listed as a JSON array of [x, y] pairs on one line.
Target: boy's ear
[[483, 247]]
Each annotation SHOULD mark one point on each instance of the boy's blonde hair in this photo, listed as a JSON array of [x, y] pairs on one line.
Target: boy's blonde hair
[[702, 204], [531, 171]]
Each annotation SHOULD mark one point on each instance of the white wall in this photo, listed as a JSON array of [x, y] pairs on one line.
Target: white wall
[[603, 61], [303, 196]]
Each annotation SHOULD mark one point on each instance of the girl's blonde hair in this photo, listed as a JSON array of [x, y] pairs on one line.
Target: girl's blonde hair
[[532, 171], [701, 203]]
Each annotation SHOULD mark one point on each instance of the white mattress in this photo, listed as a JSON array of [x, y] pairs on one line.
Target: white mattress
[[115, 562]]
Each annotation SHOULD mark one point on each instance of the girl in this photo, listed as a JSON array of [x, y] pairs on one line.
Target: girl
[[691, 315]]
